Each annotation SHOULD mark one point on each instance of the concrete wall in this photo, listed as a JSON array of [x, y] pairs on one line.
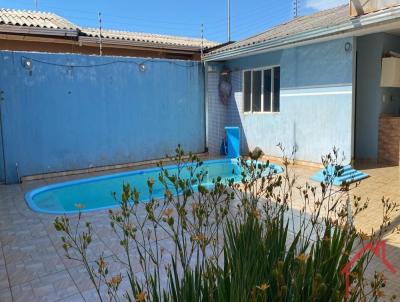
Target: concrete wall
[[316, 102], [57, 118], [2, 171], [372, 100]]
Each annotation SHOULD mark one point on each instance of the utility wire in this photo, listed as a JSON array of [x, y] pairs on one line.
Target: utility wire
[[251, 13], [26, 58], [248, 27], [243, 22]]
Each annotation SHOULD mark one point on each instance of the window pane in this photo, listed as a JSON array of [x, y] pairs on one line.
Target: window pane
[[257, 91], [246, 91], [277, 88], [267, 90]]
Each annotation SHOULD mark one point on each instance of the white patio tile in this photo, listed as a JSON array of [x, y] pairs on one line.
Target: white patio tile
[[3, 278], [52, 287], [34, 257], [73, 298], [5, 295]]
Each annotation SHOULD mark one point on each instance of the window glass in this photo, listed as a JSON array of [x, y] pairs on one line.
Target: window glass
[[261, 90], [277, 88], [247, 91], [267, 90], [256, 91]]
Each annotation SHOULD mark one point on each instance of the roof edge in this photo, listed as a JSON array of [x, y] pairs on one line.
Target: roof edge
[[142, 44], [53, 26], [97, 30], [77, 35], [30, 30]]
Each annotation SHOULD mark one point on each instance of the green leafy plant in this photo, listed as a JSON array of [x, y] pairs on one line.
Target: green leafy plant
[[257, 236]]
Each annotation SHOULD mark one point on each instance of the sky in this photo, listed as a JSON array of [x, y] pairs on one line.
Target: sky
[[177, 17]]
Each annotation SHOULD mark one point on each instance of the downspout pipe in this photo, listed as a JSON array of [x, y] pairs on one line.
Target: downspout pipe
[[205, 94]]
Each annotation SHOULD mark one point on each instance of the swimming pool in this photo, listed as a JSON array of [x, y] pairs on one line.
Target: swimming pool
[[96, 193]]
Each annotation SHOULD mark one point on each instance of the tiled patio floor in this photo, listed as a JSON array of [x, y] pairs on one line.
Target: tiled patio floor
[[384, 181], [32, 263]]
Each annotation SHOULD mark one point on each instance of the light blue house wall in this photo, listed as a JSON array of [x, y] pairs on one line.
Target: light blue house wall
[[316, 103], [372, 100], [58, 118]]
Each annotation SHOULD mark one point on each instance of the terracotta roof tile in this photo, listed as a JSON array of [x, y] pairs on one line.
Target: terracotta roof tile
[[34, 19], [147, 37], [50, 20]]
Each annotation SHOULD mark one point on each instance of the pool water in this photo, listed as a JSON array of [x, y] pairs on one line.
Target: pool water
[[96, 193]]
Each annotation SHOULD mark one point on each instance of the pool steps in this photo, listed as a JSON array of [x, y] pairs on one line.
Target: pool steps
[[348, 176]]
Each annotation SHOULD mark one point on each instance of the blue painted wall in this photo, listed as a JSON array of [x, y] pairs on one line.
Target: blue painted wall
[[316, 102], [57, 118], [372, 100], [321, 64], [2, 171]]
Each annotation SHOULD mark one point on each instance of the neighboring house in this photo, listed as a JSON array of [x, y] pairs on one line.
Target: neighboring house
[[312, 84], [63, 107], [46, 32]]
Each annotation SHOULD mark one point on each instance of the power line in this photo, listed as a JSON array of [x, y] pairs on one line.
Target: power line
[[253, 20], [250, 14], [256, 23], [248, 28], [216, 30], [93, 13], [111, 20], [130, 18], [239, 16]]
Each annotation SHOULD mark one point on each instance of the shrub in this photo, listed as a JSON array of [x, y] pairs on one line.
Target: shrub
[[232, 241]]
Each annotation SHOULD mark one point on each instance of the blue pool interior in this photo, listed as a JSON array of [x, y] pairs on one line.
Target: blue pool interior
[[96, 193]]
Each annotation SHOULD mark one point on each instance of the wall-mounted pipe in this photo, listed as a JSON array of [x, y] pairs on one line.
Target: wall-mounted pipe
[[3, 162], [17, 173]]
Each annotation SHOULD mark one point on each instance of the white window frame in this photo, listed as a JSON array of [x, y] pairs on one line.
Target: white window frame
[[262, 69]]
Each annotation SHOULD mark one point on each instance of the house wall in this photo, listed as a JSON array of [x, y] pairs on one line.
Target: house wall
[[57, 118], [316, 103], [372, 100]]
